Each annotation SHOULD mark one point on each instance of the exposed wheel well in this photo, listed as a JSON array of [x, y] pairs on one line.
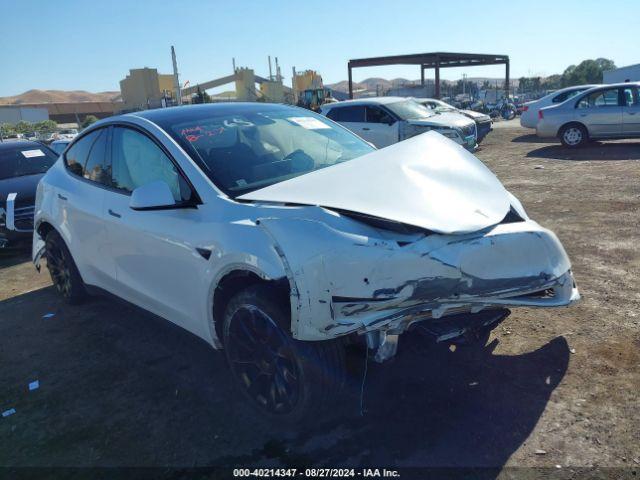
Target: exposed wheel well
[[44, 228], [238, 280]]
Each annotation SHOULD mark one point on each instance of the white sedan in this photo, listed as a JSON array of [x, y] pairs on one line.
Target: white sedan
[[274, 233]]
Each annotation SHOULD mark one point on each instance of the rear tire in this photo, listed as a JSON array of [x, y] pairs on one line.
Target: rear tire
[[574, 135], [63, 270], [283, 378]]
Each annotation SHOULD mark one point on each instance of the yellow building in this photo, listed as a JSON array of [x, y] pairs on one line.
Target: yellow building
[[145, 88], [308, 80]]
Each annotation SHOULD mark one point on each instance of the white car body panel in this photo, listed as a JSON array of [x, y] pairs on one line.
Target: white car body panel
[[344, 275], [426, 181]]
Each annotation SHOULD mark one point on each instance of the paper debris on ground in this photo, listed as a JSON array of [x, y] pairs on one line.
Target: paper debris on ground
[[48, 315], [8, 413], [34, 385]]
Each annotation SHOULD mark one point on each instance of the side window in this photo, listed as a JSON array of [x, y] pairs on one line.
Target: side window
[[136, 161], [351, 114], [377, 115], [96, 168], [563, 96], [630, 96], [77, 156], [333, 113], [601, 98]]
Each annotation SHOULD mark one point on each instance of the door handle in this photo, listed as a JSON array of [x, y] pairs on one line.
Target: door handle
[[632, 113], [366, 128], [114, 214], [62, 197]]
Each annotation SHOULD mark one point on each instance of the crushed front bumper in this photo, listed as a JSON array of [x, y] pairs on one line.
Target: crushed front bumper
[[345, 283]]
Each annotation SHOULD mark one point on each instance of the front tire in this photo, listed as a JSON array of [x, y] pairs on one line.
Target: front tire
[[63, 270], [574, 136], [284, 378]]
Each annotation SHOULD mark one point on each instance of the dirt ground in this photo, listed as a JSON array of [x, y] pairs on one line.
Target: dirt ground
[[121, 388]]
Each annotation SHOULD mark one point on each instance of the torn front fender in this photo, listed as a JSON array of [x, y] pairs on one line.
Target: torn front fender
[[350, 282]]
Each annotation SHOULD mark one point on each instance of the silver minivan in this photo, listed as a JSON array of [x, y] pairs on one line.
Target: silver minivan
[[601, 113]]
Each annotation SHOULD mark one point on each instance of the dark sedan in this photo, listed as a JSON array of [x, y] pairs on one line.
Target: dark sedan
[[22, 165]]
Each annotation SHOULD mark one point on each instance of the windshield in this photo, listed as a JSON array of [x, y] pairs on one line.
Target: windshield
[[25, 160], [409, 110], [259, 146]]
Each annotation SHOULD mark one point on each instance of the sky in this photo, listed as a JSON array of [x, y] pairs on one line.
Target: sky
[[91, 45]]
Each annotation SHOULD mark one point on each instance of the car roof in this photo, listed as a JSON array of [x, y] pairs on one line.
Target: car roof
[[366, 101], [19, 143], [183, 113]]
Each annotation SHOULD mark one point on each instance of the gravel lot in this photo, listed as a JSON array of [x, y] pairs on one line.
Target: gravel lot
[[553, 387]]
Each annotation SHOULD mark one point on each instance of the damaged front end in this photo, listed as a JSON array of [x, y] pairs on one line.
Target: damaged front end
[[427, 233], [381, 281]]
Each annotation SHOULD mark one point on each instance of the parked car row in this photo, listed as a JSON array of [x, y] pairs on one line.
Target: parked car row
[[277, 234]]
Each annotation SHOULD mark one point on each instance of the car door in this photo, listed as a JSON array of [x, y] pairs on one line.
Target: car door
[[80, 200], [601, 112], [631, 111], [157, 265], [381, 126]]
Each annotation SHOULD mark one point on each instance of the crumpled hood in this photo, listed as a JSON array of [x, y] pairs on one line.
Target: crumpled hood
[[427, 181], [446, 119]]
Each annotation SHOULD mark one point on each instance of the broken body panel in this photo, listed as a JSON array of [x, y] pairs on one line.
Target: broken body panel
[[460, 257]]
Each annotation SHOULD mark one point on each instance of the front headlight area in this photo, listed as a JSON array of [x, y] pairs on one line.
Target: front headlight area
[[411, 130]]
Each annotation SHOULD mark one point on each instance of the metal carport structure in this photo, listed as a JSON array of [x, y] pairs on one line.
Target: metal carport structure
[[436, 60]]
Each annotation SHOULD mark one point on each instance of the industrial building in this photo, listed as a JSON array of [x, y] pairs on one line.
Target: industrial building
[[13, 114], [630, 73], [145, 88]]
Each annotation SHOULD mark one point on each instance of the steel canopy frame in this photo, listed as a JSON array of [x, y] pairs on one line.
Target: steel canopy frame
[[436, 60]]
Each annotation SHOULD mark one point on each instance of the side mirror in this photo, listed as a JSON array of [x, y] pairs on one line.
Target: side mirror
[[152, 196]]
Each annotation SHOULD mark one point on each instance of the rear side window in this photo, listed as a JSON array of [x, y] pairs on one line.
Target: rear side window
[[566, 95], [601, 98], [347, 114], [96, 167], [87, 158], [137, 161]]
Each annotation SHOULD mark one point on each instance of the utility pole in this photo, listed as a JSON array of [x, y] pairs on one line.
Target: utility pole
[[270, 75], [176, 79], [293, 86]]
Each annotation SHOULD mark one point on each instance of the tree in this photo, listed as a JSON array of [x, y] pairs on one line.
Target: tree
[[45, 126], [23, 127], [88, 120], [588, 71], [6, 129]]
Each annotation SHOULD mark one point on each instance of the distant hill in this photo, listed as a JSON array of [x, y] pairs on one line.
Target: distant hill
[[59, 96], [383, 84], [371, 84]]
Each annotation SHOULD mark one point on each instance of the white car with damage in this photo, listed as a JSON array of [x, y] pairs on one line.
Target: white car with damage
[[276, 234]]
